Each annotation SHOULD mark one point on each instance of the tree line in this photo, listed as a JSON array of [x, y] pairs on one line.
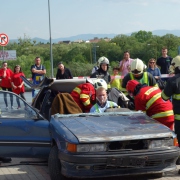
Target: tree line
[[80, 57]]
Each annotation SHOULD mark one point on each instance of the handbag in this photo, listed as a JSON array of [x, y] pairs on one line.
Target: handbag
[[161, 84]]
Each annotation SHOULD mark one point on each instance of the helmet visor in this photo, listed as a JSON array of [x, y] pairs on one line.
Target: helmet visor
[[136, 71]]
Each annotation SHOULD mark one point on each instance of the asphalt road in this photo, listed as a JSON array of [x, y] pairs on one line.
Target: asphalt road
[[37, 169]]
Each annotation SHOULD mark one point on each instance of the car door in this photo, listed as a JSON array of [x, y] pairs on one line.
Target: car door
[[23, 132]]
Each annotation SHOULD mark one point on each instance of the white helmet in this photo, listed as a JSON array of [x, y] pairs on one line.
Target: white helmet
[[89, 80], [103, 60], [100, 83], [174, 64], [137, 66]]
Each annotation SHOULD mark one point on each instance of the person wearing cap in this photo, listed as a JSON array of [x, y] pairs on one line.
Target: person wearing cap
[[148, 99], [138, 73], [102, 72], [172, 89], [63, 72], [102, 102]]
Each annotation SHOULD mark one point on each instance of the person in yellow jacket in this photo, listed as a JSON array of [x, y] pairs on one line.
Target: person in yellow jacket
[[115, 81]]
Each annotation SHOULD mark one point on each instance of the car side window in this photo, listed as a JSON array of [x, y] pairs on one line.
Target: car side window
[[12, 106]]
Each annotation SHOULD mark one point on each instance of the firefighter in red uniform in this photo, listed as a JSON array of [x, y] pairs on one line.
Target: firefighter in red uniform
[[148, 99], [85, 95]]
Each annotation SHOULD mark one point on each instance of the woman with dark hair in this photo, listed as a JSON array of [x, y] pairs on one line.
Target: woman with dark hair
[[5, 75], [18, 84], [63, 72]]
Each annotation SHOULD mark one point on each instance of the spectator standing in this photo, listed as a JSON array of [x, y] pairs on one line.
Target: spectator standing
[[102, 72], [18, 84], [164, 62], [172, 89], [124, 65], [153, 69], [148, 99], [63, 72], [137, 73], [38, 72], [102, 102], [115, 82], [6, 74]]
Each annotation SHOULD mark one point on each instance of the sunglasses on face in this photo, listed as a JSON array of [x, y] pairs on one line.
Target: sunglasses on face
[[152, 62]]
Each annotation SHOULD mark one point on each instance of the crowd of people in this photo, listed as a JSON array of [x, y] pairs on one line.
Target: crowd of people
[[141, 82]]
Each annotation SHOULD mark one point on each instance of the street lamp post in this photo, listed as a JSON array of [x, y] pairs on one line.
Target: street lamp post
[[94, 50], [51, 55]]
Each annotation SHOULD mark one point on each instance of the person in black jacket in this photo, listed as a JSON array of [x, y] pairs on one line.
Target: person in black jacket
[[102, 72], [63, 72]]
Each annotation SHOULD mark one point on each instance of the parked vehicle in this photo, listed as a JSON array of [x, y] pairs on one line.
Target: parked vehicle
[[117, 142]]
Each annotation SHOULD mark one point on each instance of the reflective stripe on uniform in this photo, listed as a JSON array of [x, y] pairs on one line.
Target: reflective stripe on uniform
[[152, 100], [131, 76], [78, 90], [97, 109], [164, 96], [143, 80], [85, 96], [163, 114], [177, 116], [176, 96], [145, 77], [86, 103]]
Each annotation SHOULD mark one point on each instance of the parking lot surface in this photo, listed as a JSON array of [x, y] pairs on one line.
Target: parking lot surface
[[37, 169]]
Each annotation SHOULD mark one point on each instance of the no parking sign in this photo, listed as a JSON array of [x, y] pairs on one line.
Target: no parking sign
[[3, 39]]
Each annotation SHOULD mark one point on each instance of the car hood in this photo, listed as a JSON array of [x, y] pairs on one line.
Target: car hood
[[112, 127]]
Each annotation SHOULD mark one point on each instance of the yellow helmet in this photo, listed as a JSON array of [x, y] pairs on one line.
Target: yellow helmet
[[175, 63], [137, 66]]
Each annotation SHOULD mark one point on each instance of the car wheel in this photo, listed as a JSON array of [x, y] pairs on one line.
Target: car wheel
[[54, 165]]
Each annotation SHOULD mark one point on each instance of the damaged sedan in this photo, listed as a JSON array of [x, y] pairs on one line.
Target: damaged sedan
[[82, 145]]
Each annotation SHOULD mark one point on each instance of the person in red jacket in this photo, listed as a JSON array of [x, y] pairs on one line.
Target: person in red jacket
[[5, 75], [148, 99], [84, 95], [18, 84]]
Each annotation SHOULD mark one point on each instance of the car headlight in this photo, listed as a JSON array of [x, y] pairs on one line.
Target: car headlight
[[86, 147], [160, 143]]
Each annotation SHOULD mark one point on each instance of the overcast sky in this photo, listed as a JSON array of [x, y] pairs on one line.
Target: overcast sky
[[20, 18]]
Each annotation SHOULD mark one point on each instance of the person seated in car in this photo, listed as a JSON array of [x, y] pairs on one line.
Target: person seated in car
[[102, 102]]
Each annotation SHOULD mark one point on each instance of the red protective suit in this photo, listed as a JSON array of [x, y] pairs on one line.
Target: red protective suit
[[149, 100], [17, 81], [85, 96], [6, 81]]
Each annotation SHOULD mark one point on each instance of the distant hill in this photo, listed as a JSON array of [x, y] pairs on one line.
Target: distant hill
[[86, 37]]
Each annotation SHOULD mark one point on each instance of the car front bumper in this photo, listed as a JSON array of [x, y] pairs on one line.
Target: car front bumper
[[117, 164]]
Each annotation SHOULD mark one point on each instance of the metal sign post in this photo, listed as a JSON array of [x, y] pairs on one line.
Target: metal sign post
[[3, 41]]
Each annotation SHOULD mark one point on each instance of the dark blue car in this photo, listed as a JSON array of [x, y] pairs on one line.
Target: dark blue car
[[117, 142]]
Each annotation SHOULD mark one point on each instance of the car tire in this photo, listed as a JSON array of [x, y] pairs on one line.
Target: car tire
[[54, 165]]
